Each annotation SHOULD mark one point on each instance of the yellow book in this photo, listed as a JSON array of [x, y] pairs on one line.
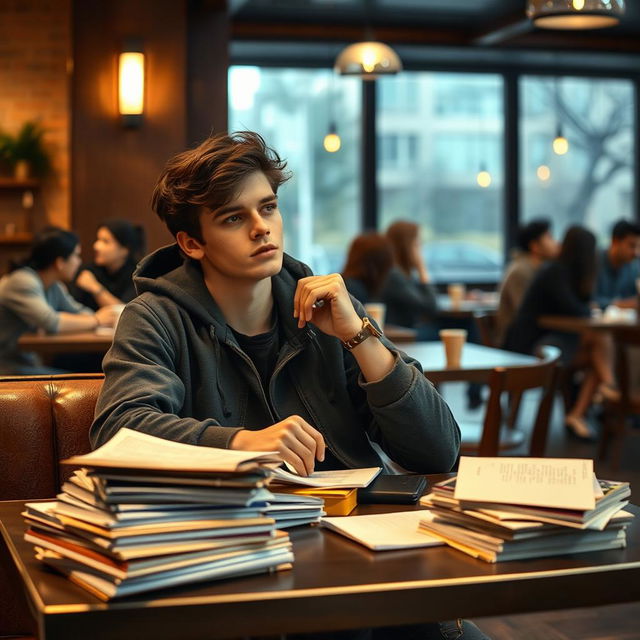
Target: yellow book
[[337, 502]]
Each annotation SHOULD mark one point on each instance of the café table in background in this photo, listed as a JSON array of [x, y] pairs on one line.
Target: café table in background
[[481, 303], [476, 363], [55, 344], [574, 324]]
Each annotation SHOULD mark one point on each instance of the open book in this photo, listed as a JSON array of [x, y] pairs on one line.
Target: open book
[[134, 450]]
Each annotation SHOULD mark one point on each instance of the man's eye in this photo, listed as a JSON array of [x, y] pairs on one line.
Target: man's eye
[[232, 219], [270, 208]]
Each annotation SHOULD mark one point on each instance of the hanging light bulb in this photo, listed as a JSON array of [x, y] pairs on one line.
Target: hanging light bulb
[[484, 177], [332, 142], [560, 144], [575, 14], [543, 172]]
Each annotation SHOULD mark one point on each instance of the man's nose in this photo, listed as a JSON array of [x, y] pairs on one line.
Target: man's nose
[[260, 227]]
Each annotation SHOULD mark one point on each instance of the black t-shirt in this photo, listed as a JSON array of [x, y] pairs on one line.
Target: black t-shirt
[[263, 350], [120, 283]]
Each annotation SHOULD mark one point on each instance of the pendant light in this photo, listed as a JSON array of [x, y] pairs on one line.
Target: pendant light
[[560, 144], [575, 14], [484, 177], [332, 142], [370, 58]]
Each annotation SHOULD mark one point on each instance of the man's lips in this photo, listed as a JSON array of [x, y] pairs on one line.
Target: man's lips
[[263, 249]]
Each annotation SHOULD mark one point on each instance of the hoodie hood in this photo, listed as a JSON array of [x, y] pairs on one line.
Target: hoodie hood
[[167, 272]]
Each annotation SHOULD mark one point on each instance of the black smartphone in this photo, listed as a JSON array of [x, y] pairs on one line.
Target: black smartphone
[[393, 490]]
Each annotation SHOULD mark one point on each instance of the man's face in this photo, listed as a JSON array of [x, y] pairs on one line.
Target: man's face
[[545, 247], [243, 239], [69, 267], [627, 248]]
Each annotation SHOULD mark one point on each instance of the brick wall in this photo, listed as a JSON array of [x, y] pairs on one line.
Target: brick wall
[[35, 72]]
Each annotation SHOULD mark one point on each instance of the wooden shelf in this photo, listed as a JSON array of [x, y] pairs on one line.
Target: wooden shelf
[[12, 183], [22, 237]]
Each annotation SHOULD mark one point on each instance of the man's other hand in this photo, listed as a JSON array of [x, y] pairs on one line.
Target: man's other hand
[[297, 442]]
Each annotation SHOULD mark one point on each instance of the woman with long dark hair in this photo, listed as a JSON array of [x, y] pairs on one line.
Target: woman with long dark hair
[[564, 286], [108, 279], [33, 297], [368, 263], [410, 298]]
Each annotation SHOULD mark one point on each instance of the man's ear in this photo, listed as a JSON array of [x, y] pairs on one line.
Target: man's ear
[[191, 247]]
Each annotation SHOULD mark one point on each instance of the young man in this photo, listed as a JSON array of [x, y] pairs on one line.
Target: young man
[[619, 268], [232, 343], [536, 245]]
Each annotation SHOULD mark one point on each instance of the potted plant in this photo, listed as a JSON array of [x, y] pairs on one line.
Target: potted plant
[[27, 154]]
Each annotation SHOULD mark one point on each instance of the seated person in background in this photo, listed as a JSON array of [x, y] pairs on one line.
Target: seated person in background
[[564, 286], [410, 299], [369, 260], [33, 297], [109, 278], [619, 268], [536, 245]]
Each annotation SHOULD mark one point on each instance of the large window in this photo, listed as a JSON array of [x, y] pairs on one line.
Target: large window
[[293, 109], [430, 152], [592, 183]]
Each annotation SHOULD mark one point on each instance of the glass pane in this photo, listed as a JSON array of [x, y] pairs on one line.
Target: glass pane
[[293, 109], [436, 132], [592, 183]]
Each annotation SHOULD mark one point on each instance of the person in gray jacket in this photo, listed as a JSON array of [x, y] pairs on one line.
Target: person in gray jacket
[[232, 343]]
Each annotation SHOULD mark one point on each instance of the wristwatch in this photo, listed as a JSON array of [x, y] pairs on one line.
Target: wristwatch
[[367, 330]]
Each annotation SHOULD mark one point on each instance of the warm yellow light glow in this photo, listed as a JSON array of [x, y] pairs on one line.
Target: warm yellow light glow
[[578, 5], [332, 142], [484, 179], [131, 83], [369, 59], [560, 145], [543, 172]]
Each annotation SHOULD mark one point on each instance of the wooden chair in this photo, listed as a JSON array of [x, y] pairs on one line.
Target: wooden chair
[[615, 428], [489, 438]]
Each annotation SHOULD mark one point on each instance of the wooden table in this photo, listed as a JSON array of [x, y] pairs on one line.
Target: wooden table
[[80, 342], [476, 363], [573, 324], [399, 334], [335, 583], [466, 308]]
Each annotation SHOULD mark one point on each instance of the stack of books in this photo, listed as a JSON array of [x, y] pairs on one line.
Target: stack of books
[[516, 508], [146, 513]]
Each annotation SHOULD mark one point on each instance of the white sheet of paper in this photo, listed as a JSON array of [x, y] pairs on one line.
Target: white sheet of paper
[[564, 483], [384, 531], [335, 479], [133, 449]]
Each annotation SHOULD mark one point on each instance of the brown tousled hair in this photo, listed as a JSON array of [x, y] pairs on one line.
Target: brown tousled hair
[[209, 176], [402, 235], [369, 260]]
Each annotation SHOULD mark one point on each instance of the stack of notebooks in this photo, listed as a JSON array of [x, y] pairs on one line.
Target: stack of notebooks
[[147, 513], [516, 508]]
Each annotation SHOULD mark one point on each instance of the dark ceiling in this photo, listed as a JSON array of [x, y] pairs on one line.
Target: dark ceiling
[[486, 23]]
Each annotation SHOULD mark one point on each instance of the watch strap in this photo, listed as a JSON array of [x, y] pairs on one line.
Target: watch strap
[[367, 331]]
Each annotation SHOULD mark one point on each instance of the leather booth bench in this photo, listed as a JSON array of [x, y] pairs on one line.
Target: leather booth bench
[[43, 419]]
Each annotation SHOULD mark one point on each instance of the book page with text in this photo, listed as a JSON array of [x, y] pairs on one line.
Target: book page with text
[[545, 482]]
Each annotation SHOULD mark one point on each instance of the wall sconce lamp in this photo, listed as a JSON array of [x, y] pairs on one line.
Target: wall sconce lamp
[[131, 84]]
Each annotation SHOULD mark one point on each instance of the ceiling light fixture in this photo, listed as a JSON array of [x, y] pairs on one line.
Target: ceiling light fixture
[[575, 14], [332, 142], [368, 60]]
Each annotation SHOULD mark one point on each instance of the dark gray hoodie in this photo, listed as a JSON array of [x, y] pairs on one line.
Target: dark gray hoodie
[[175, 370]]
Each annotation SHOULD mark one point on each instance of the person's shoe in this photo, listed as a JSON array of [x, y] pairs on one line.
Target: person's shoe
[[609, 392], [578, 428]]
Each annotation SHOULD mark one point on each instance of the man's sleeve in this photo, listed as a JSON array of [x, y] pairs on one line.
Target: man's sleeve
[[407, 416], [142, 390], [25, 297]]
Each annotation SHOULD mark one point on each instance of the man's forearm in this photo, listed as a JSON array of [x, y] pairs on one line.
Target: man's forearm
[[374, 359]]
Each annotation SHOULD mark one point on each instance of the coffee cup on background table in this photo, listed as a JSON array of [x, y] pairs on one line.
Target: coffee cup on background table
[[376, 311], [456, 291], [453, 340]]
